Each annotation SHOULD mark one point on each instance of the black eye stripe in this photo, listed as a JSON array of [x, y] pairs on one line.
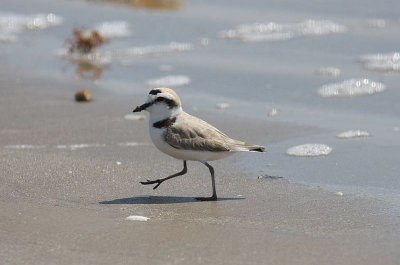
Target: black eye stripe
[[171, 103], [155, 91]]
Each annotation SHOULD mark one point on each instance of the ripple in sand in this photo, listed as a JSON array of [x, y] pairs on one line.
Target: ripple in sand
[[11, 24], [137, 218], [352, 87], [169, 81], [353, 134], [267, 32], [382, 62], [73, 147], [309, 150], [131, 144], [24, 146]]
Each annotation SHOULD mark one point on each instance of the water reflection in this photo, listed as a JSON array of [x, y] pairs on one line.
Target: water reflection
[[88, 71], [168, 5]]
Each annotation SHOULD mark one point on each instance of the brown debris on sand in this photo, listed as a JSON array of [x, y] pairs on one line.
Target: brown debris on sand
[[85, 41]]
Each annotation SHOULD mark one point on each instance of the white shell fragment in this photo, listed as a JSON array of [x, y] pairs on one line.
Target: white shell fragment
[[352, 87], [137, 218], [134, 117], [169, 81], [339, 193], [309, 150], [267, 32], [353, 134]]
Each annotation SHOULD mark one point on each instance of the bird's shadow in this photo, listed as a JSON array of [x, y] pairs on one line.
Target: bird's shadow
[[162, 200]]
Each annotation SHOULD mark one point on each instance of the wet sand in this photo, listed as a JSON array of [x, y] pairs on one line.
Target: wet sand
[[63, 206]]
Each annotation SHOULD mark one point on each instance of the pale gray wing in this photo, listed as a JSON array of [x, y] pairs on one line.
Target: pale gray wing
[[191, 133]]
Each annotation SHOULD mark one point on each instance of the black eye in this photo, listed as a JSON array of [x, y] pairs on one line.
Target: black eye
[[160, 99]]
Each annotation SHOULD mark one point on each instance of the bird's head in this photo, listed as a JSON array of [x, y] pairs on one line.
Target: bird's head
[[161, 102]]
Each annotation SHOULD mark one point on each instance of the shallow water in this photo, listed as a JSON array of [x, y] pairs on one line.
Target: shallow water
[[252, 78]]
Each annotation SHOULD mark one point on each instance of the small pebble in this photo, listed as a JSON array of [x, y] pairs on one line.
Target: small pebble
[[84, 95], [339, 193], [118, 163]]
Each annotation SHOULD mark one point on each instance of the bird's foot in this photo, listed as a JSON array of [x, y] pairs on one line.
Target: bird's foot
[[212, 198], [149, 182]]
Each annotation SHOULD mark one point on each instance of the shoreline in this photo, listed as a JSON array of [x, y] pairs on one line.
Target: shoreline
[[69, 206]]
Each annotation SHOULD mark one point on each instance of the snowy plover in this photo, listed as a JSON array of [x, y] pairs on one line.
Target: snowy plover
[[186, 137]]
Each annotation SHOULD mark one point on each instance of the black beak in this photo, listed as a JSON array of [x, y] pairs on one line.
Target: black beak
[[142, 107]]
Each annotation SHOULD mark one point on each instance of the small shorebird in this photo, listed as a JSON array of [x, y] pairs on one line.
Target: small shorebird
[[186, 137]]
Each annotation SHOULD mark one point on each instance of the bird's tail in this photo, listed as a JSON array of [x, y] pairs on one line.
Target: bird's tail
[[244, 147], [256, 148]]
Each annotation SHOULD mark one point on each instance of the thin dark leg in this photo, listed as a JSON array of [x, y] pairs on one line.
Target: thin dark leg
[[214, 195], [159, 181]]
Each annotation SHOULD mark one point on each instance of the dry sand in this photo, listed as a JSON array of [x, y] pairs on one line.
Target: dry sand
[[63, 206]]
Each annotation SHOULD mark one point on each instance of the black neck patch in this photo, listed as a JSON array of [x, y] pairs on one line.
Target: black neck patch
[[164, 123]]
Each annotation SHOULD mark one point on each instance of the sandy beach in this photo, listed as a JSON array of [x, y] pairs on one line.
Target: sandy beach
[[68, 206], [274, 73]]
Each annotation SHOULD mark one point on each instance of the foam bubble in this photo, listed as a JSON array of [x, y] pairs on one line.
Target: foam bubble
[[137, 218], [113, 29], [273, 112], [169, 81], [309, 150], [329, 72], [267, 32], [352, 87], [353, 134], [12, 24], [376, 23], [222, 105], [382, 62]]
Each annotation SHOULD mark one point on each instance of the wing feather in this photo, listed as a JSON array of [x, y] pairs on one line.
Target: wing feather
[[192, 133]]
